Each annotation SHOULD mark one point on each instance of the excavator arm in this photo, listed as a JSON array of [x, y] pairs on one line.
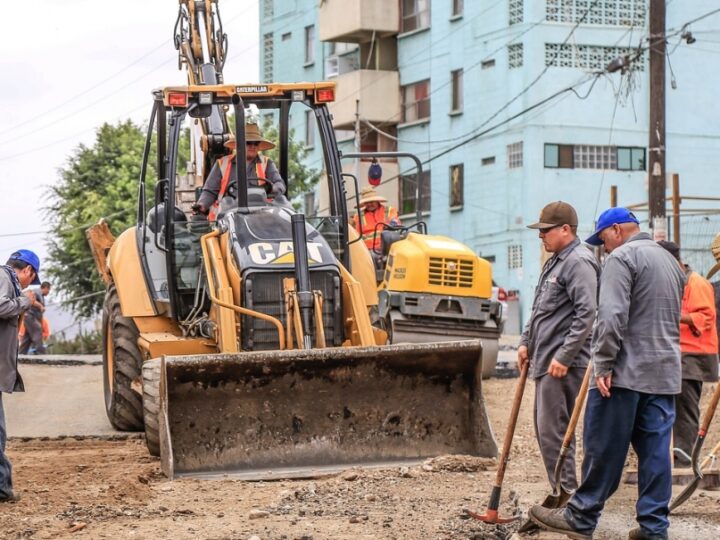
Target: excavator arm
[[202, 48]]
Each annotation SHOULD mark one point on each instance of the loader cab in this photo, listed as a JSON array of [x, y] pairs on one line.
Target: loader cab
[[168, 234]]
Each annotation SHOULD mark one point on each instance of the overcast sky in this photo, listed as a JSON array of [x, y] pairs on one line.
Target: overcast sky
[[68, 66]]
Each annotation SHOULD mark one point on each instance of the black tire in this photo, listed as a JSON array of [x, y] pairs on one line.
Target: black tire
[[122, 378], [151, 405]]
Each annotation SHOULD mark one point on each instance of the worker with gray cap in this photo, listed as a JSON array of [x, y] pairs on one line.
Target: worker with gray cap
[[636, 363], [556, 340]]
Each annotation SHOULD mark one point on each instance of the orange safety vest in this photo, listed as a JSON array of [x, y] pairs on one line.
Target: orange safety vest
[[699, 302], [225, 164], [382, 215]]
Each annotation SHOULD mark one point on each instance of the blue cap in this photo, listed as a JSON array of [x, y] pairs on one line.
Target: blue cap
[[608, 218], [29, 257]]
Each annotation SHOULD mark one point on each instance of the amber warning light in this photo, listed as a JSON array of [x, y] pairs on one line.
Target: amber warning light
[[324, 95], [177, 99]]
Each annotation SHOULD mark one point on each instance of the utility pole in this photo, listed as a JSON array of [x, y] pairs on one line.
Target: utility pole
[[656, 145]]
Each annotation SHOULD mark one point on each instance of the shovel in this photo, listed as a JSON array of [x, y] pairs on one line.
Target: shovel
[[559, 497], [695, 456], [491, 514]]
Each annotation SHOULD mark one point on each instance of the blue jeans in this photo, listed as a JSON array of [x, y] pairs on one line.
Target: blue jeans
[[5, 467], [611, 425]]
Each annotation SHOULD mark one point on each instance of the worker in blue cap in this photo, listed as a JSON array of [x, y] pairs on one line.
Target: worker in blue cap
[[636, 361], [20, 271]]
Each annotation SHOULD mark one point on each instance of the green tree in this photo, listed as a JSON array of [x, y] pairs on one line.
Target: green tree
[[97, 181]]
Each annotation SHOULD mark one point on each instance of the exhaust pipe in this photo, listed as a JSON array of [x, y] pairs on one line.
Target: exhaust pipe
[[240, 170], [302, 277]]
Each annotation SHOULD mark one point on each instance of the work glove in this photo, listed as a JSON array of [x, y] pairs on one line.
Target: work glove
[[198, 208], [278, 188]]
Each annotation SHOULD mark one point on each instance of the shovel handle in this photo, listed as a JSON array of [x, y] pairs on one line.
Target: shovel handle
[[510, 431], [710, 411], [570, 431], [577, 408]]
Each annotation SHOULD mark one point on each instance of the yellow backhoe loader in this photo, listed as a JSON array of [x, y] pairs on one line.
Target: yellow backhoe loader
[[244, 345]]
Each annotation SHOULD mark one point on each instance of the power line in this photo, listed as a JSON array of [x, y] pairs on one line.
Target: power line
[[107, 79], [65, 139]]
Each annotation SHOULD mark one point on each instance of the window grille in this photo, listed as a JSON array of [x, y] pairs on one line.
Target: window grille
[[268, 9], [515, 55], [515, 8], [592, 57], [515, 155], [515, 257], [605, 12], [268, 58]]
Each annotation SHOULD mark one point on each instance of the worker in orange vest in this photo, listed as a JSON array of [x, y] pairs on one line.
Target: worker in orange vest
[[699, 349], [376, 213], [261, 171]]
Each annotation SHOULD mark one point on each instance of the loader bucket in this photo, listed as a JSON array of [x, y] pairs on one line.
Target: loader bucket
[[300, 413]]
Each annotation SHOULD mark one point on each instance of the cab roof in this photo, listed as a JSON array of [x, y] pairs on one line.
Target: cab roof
[[320, 92]]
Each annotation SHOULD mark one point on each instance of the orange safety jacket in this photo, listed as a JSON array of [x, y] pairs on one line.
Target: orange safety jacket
[[382, 215], [225, 164], [699, 302]]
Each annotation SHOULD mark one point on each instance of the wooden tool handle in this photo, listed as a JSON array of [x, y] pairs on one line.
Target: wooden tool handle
[[510, 431], [577, 409], [710, 411]]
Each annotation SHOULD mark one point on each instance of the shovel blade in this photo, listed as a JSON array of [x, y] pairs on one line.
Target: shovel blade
[[554, 500], [686, 493]]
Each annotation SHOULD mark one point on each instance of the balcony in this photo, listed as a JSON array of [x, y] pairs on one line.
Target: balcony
[[356, 20], [378, 92]]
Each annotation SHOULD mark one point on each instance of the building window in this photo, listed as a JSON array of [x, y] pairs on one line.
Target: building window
[[268, 57], [515, 55], [487, 64], [309, 204], [309, 129], [591, 57], [456, 79], [286, 36], [515, 8], [268, 10], [408, 196], [630, 159], [457, 8], [416, 101], [599, 157], [456, 185], [415, 15], [559, 156], [515, 155], [309, 44], [586, 156], [490, 160], [515, 257], [604, 12]]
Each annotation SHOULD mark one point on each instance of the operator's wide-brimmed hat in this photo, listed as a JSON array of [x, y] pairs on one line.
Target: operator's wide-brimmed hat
[[715, 248], [252, 134], [368, 195]]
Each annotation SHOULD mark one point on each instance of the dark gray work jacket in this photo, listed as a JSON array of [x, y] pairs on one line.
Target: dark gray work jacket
[[563, 310], [637, 334], [11, 306]]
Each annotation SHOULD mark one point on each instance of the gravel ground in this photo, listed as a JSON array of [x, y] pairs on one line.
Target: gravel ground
[[94, 488]]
